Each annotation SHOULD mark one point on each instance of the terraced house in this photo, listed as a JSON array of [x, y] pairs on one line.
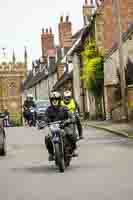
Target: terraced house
[[48, 69]]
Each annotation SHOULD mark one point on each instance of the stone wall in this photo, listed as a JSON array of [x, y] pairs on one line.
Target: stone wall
[[111, 77]]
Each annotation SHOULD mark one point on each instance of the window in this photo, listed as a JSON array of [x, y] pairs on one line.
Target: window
[[12, 89]]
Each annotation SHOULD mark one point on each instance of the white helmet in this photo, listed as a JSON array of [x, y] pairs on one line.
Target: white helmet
[[67, 96], [67, 93], [29, 96]]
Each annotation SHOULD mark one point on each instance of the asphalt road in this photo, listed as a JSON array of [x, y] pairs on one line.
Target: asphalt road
[[103, 170]]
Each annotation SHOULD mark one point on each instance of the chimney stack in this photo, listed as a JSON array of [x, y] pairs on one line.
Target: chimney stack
[[87, 11], [65, 32], [47, 41]]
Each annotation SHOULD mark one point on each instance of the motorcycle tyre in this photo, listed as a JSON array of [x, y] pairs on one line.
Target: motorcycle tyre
[[59, 159]]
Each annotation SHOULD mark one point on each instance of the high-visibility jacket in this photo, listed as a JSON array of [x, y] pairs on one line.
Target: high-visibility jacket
[[71, 105]]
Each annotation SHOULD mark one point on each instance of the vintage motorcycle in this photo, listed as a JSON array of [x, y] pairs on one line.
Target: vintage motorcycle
[[61, 143], [30, 115]]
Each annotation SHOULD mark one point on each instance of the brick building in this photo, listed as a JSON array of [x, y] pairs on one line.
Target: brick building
[[111, 67], [65, 42], [65, 33], [48, 70], [47, 43], [110, 23], [43, 74]]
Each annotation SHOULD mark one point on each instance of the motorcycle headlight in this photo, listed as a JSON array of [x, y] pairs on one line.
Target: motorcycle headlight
[[54, 127]]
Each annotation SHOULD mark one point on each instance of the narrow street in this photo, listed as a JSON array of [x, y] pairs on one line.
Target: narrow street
[[103, 170]]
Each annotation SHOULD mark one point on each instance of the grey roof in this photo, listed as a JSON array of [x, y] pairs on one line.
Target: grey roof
[[64, 78], [29, 77], [77, 34], [78, 45], [32, 81], [40, 75]]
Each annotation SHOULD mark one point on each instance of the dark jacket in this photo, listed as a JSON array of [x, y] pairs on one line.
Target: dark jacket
[[56, 114], [29, 104]]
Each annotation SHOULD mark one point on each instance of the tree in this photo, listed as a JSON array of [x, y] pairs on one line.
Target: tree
[[93, 73]]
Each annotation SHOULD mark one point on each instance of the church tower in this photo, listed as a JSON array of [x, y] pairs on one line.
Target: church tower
[[13, 58], [12, 75], [25, 58]]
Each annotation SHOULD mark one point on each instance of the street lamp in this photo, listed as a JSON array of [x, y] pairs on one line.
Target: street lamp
[[34, 66]]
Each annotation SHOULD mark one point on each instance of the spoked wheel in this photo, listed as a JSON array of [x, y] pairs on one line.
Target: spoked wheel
[[59, 158]]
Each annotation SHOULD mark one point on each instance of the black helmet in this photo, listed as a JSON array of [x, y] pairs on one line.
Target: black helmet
[[55, 98], [29, 97]]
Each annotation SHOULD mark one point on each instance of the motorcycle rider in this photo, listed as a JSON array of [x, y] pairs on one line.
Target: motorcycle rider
[[73, 106], [28, 103], [56, 112]]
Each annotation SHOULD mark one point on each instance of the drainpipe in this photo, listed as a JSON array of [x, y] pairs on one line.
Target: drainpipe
[[35, 93]]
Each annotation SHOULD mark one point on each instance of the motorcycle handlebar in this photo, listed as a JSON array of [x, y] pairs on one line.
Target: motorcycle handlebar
[[56, 122], [50, 123]]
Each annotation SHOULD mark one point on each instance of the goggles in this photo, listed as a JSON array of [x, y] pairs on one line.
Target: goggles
[[55, 101], [67, 98]]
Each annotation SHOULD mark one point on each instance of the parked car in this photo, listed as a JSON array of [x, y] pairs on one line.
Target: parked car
[[2, 135], [41, 106]]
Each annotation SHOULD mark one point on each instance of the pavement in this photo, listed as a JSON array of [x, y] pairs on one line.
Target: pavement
[[119, 128]]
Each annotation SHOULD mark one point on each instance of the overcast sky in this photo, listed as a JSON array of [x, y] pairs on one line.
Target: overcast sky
[[21, 22]]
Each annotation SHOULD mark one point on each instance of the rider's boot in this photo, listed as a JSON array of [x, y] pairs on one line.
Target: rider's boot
[[51, 157], [74, 148], [49, 147]]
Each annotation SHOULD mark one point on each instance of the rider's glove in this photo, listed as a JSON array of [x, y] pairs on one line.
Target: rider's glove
[[62, 125], [41, 125], [68, 121]]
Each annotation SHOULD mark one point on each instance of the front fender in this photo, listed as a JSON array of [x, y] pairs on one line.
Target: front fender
[[56, 138]]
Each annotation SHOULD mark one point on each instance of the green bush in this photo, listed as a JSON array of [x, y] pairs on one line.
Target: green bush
[[16, 123], [16, 120]]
